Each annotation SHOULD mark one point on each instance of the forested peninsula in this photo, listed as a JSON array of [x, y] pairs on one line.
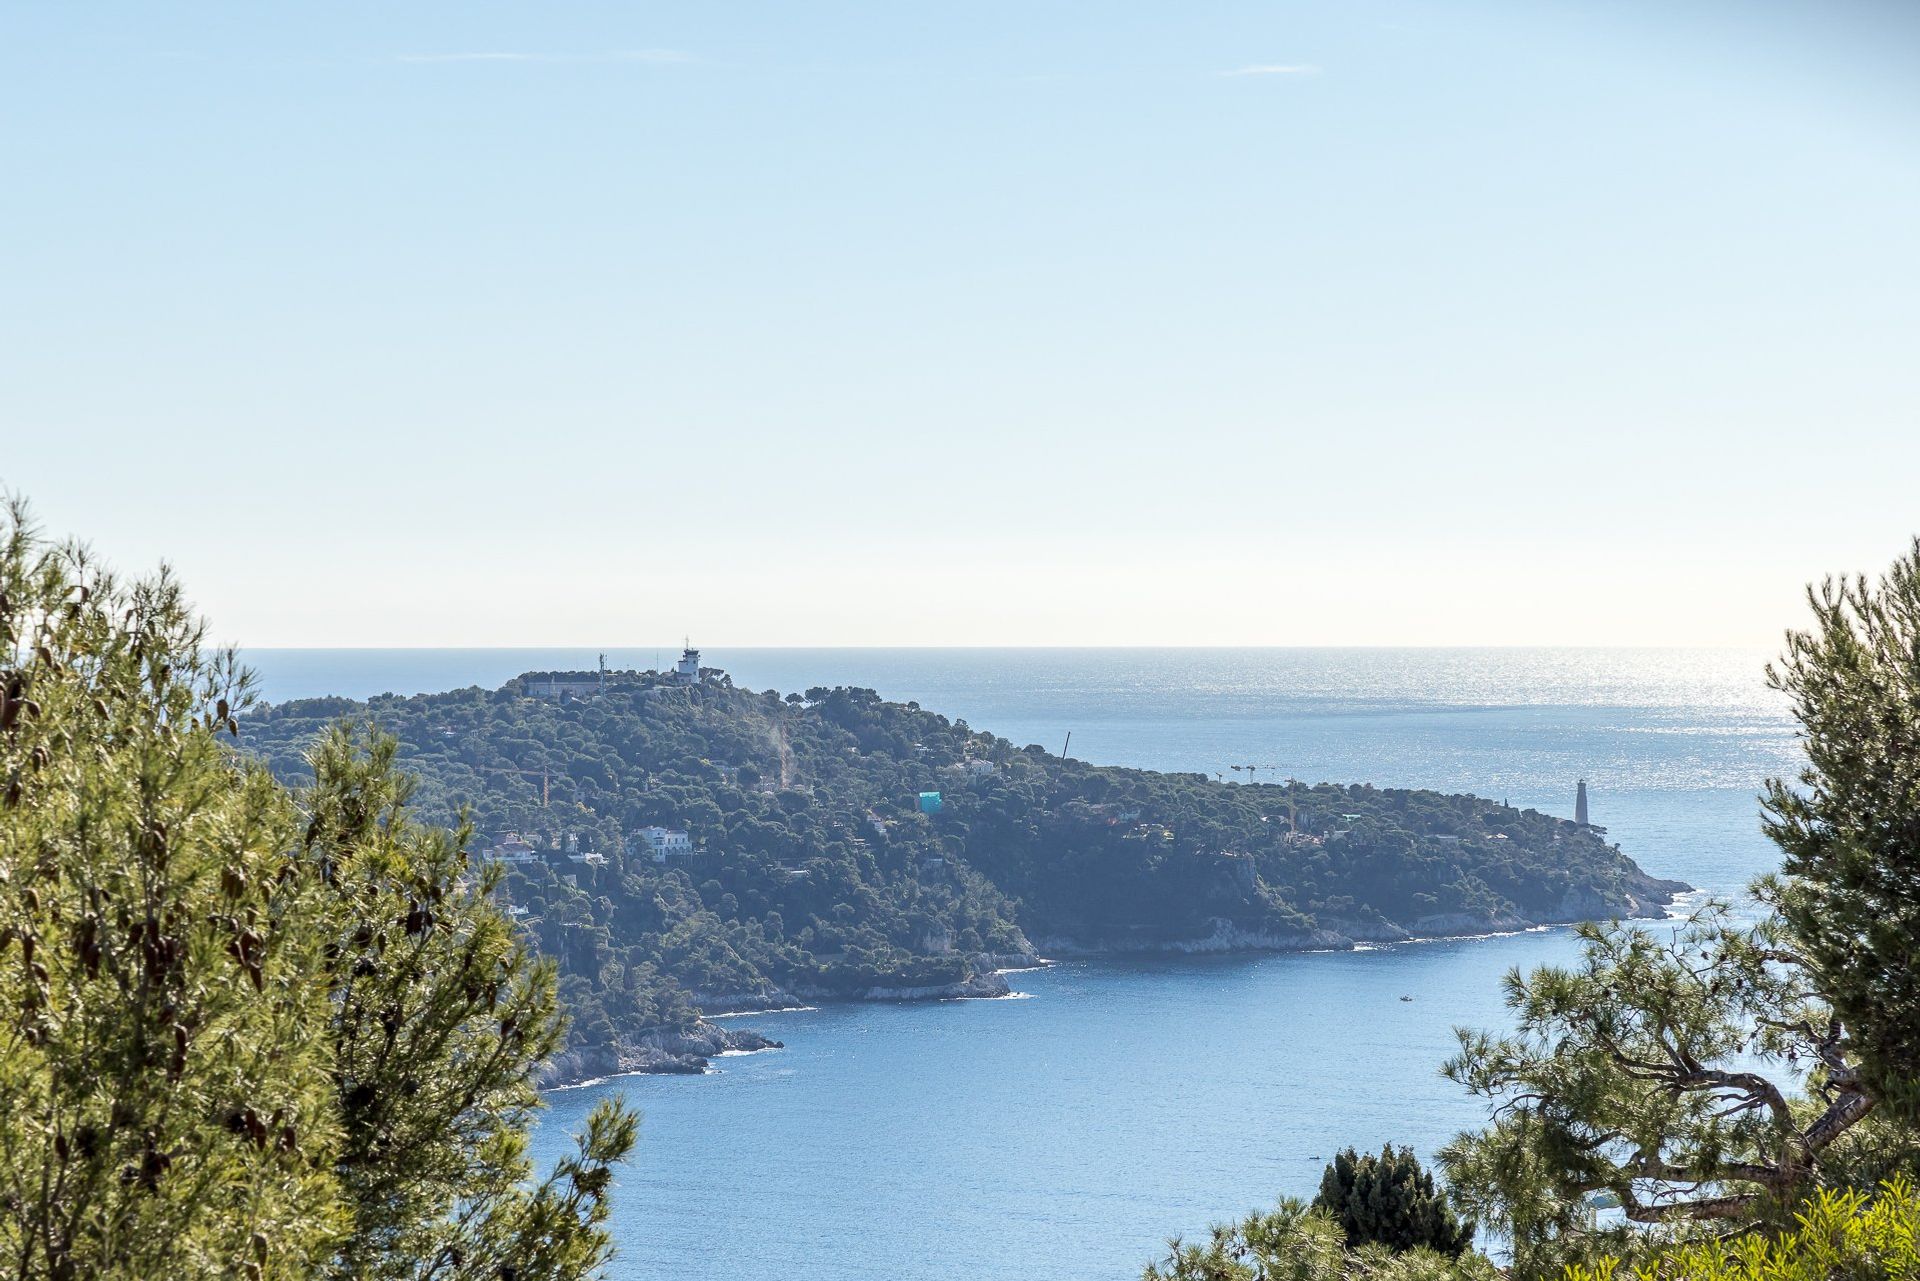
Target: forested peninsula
[[680, 845]]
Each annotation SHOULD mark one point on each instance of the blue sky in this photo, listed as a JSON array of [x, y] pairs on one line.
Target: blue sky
[[1372, 322]]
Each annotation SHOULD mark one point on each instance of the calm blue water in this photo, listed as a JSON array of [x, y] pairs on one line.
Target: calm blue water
[[1067, 1134]]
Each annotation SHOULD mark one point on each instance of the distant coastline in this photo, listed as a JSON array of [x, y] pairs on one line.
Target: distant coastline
[[695, 1064], [835, 846]]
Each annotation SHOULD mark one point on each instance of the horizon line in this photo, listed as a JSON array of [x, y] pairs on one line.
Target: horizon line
[[630, 645]]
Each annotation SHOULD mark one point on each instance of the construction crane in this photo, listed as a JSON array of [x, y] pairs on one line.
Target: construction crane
[[1293, 817], [1251, 770]]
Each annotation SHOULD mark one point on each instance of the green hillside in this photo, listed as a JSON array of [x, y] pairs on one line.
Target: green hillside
[[820, 865]]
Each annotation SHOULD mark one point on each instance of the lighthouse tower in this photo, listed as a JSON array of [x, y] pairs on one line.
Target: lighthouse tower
[[687, 670], [1580, 805]]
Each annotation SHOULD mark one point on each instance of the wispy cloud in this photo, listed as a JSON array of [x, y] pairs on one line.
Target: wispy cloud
[[1275, 69], [651, 55], [655, 56]]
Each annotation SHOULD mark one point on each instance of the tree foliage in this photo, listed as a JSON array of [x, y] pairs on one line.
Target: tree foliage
[[245, 1032], [1295, 1242], [1848, 1234], [1849, 827], [1715, 1100], [439, 1021], [1716, 1081], [1658, 1074], [164, 1099], [814, 875], [1390, 1200]]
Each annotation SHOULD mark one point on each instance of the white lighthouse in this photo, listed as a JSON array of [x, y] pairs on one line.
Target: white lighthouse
[[1580, 805], [687, 670]]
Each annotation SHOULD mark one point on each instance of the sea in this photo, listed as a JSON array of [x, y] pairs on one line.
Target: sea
[[1065, 1133]]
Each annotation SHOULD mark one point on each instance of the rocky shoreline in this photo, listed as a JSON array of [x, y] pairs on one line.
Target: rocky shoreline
[[689, 1053], [1647, 900], [659, 1052], [985, 982]]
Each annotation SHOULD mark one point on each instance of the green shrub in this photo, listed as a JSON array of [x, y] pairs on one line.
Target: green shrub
[[1295, 1242], [1840, 1236]]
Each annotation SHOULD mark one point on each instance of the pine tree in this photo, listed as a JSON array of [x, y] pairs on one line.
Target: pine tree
[[1390, 1200], [164, 1100], [440, 1019], [246, 1033], [1657, 1074], [1850, 829], [1295, 1242]]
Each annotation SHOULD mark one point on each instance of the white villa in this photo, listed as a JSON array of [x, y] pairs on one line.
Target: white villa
[[666, 842], [510, 848]]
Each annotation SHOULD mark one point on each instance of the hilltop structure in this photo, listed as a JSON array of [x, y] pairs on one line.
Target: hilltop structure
[[687, 670], [561, 685]]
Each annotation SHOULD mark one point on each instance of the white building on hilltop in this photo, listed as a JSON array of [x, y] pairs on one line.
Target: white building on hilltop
[[687, 670], [561, 684], [665, 843]]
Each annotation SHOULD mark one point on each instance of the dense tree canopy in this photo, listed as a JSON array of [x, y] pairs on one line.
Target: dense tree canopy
[[246, 1032], [815, 872]]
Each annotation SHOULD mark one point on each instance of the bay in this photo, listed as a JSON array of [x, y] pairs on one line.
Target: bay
[[1066, 1133]]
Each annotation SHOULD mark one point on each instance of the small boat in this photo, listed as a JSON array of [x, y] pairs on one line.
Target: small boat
[[1406, 998]]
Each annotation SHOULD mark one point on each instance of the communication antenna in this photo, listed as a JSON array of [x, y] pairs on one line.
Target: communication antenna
[[1064, 746]]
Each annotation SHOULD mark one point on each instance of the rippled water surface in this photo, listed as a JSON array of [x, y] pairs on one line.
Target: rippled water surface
[[1065, 1135]]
